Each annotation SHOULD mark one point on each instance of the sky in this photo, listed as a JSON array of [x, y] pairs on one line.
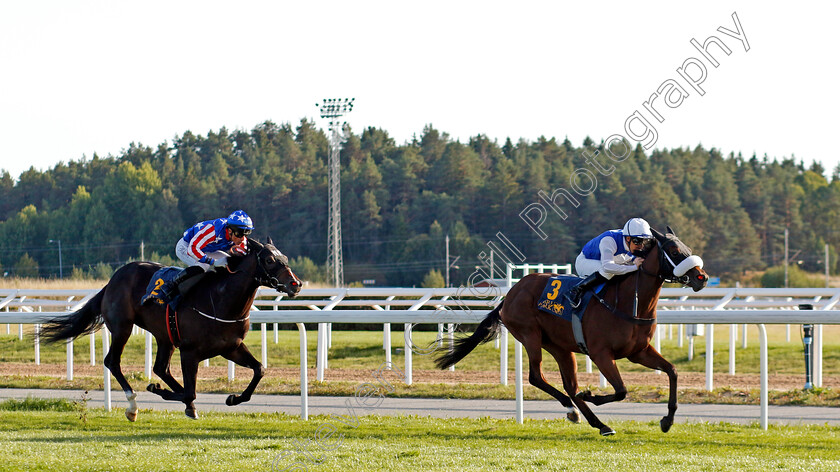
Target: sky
[[85, 77]]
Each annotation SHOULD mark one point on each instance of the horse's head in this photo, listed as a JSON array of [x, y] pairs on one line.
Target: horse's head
[[677, 264], [273, 268]]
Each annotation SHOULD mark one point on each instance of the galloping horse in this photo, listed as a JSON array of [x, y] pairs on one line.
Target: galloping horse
[[610, 333], [213, 318]]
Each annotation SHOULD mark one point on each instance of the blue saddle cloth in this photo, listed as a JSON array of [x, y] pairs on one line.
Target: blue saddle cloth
[[158, 279], [555, 296]]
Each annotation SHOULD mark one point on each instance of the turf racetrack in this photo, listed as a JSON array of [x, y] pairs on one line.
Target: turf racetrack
[[63, 435]]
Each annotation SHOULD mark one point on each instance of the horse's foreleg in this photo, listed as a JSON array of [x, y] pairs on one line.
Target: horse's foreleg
[[242, 356], [568, 371], [161, 369], [189, 367], [649, 357], [606, 364]]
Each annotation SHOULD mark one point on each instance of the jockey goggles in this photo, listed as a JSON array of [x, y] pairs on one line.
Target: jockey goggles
[[239, 232], [644, 242]]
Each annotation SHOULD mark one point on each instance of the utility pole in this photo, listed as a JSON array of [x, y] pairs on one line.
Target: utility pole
[[826, 265], [142, 250], [447, 261], [333, 109], [449, 265], [786, 257], [60, 264]]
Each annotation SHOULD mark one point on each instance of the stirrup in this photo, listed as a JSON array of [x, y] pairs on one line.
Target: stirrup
[[576, 299]]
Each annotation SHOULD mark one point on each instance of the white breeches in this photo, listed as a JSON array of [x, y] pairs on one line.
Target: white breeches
[[182, 250], [585, 267]]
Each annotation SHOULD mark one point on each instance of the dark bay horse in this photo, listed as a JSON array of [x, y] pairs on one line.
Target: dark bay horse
[[608, 335], [213, 319]]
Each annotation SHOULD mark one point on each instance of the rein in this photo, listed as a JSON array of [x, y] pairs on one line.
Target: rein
[[631, 318], [634, 318]]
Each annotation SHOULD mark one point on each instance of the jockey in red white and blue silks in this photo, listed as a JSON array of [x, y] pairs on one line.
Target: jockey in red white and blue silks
[[205, 246], [611, 253], [204, 243]]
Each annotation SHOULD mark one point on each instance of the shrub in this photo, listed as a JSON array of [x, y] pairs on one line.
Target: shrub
[[774, 277], [433, 279]]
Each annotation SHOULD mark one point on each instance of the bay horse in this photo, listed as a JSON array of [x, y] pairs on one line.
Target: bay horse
[[610, 332], [212, 319]]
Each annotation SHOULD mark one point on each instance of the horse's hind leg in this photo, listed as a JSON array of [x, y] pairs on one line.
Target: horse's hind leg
[[568, 370], [533, 346], [112, 362], [242, 356], [649, 357], [161, 369]]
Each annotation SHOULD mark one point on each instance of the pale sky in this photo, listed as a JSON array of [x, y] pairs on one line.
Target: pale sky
[[80, 77]]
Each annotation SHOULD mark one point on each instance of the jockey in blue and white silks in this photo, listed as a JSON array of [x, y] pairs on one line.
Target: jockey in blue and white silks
[[205, 245], [611, 253]]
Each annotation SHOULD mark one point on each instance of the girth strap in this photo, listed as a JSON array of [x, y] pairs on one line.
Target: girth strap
[[172, 327], [577, 329]]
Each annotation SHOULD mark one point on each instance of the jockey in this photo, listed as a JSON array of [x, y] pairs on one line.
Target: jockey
[[203, 247], [611, 253]]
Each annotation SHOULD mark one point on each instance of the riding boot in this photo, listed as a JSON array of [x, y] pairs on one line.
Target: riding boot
[[576, 293], [171, 289]]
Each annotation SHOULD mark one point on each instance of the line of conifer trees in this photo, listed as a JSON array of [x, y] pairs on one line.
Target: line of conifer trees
[[400, 201]]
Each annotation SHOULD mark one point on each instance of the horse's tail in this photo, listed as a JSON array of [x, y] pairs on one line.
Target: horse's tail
[[86, 319], [487, 331]]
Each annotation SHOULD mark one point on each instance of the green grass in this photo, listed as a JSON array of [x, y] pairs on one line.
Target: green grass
[[37, 439]]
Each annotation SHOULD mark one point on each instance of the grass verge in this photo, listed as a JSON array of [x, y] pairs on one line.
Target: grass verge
[[38, 439]]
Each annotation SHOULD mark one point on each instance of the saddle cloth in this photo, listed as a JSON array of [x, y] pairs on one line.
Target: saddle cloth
[[555, 296], [158, 279]]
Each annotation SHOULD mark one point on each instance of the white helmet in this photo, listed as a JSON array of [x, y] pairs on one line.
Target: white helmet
[[637, 228]]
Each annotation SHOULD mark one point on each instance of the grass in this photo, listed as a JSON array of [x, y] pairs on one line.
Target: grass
[[40, 438]]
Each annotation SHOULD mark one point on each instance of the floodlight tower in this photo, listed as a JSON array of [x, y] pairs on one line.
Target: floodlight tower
[[333, 109]]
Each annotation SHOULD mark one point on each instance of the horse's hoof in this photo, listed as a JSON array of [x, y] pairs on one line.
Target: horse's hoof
[[573, 416], [153, 387], [191, 413], [132, 416], [607, 431], [665, 423], [231, 400]]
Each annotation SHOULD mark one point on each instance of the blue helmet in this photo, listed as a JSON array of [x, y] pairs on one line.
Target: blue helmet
[[240, 219]]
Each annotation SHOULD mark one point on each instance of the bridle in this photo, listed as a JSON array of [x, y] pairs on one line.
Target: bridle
[[672, 267], [265, 277]]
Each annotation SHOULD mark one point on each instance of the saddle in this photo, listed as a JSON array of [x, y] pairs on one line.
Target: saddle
[[555, 297], [555, 300], [158, 279], [153, 291]]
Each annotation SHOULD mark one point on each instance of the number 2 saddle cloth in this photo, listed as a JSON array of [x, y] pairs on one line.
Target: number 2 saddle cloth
[[555, 296], [158, 279]]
